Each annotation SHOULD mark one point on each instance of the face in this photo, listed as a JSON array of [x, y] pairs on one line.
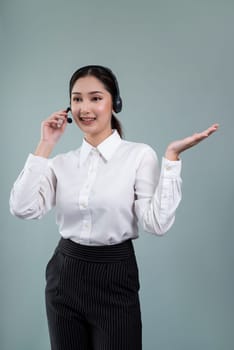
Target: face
[[92, 108]]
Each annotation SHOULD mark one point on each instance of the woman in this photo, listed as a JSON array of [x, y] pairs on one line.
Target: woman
[[100, 191]]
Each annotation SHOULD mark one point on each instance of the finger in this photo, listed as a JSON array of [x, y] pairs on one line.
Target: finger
[[211, 129], [58, 118], [204, 134], [61, 112], [58, 115], [197, 137], [59, 123], [56, 122]]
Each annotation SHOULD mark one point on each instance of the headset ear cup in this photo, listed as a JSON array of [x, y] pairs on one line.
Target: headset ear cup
[[118, 105]]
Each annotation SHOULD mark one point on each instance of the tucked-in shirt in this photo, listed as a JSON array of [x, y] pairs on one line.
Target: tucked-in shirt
[[102, 193]]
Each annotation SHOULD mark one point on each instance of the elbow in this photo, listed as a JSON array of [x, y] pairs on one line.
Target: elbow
[[27, 215], [15, 212], [158, 230], [22, 212], [158, 226]]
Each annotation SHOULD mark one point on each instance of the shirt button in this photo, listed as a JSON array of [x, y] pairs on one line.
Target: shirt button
[[168, 167], [83, 205]]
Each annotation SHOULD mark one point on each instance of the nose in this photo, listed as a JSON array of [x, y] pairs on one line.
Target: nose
[[84, 107]]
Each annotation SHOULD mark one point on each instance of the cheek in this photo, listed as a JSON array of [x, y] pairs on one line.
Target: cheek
[[74, 108], [75, 113], [105, 108]]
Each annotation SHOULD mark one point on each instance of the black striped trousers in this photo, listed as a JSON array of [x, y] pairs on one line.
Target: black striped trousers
[[92, 299]]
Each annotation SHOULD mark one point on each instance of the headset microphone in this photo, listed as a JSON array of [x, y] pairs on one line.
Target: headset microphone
[[69, 119]]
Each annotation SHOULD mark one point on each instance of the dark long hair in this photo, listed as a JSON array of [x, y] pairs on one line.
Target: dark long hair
[[108, 80]]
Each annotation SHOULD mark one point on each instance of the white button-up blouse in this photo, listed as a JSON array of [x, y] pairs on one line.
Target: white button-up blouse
[[101, 193]]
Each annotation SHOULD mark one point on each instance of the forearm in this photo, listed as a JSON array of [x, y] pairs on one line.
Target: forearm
[[33, 191], [171, 154], [158, 192], [44, 149], [160, 215]]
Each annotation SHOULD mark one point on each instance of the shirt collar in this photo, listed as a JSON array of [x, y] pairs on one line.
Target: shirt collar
[[106, 148]]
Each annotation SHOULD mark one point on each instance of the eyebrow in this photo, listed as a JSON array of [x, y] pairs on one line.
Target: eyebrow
[[90, 93]]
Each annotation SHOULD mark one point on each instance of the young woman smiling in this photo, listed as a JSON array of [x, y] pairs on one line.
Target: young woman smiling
[[101, 192]]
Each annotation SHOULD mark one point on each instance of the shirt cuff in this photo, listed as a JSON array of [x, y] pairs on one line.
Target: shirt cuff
[[171, 168], [36, 164]]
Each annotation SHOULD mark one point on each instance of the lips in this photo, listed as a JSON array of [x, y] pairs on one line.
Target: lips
[[87, 119]]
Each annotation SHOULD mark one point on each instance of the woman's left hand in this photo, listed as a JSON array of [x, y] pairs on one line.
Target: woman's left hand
[[175, 148]]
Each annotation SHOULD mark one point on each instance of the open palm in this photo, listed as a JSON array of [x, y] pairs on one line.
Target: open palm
[[179, 146]]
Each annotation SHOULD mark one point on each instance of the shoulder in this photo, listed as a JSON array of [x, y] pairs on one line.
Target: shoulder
[[140, 149], [65, 158], [137, 154]]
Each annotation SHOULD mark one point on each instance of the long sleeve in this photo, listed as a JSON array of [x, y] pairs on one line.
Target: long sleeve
[[33, 193], [158, 193], [101, 195]]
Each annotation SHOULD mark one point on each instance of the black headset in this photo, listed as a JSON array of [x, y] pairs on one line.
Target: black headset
[[117, 100]]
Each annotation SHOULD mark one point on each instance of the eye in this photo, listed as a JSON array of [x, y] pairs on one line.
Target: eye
[[96, 98], [76, 99]]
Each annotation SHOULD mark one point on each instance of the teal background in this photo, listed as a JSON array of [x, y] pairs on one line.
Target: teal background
[[174, 63]]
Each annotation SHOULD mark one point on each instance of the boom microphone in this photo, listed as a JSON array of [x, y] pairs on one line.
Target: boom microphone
[[69, 119]]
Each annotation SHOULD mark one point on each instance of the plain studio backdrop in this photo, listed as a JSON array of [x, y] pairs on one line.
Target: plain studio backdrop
[[174, 63]]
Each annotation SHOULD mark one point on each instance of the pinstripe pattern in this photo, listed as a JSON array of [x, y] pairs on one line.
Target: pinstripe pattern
[[92, 297]]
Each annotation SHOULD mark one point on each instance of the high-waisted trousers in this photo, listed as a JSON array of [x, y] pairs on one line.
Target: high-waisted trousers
[[92, 299]]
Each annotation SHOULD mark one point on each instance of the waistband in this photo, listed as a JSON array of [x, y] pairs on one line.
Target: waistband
[[104, 253]]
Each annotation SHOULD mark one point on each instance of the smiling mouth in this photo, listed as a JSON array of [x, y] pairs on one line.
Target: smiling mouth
[[87, 119]]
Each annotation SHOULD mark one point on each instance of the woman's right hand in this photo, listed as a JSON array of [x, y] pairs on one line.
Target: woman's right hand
[[53, 127], [51, 130]]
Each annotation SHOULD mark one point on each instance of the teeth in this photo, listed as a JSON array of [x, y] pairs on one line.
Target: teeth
[[87, 119]]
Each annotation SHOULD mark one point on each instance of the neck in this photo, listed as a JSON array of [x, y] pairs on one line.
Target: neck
[[96, 139]]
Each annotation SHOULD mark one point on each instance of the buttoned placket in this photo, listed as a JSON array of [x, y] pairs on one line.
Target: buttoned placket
[[84, 197]]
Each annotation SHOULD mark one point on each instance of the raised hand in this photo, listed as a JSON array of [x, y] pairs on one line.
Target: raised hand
[[51, 130], [175, 148], [53, 127]]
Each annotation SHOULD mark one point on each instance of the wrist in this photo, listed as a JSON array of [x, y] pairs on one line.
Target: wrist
[[44, 149], [171, 155]]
